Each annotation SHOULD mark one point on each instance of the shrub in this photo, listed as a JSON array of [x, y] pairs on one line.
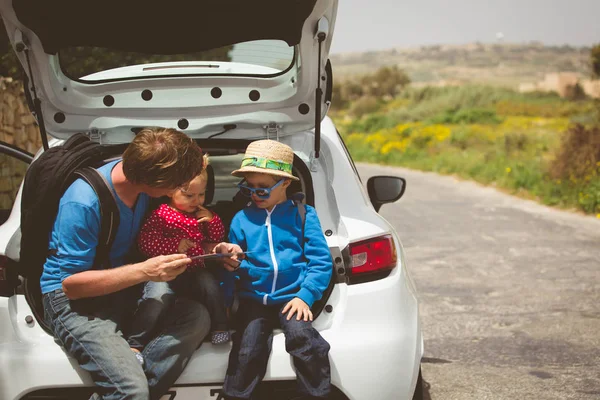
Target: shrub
[[515, 142], [364, 105], [386, 82], [549, 107], [467, 116], [575, 92], [371, 123], [595, 61], [579, 154]]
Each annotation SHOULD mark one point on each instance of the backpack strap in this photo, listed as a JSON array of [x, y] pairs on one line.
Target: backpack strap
[[76, 140], [109, 214]]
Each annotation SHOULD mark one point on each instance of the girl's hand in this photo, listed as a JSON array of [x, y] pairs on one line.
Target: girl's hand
[[185, 245], [203, 215], [298, 307]]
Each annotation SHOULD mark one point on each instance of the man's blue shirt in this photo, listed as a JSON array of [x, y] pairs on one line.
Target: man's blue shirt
[[76, 230]]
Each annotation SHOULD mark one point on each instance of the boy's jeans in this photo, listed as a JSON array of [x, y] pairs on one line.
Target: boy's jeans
[[198, 284], [90, 331], [252, 346]]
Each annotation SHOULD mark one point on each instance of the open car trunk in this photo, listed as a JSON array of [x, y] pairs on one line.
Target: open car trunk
[[202, 96]]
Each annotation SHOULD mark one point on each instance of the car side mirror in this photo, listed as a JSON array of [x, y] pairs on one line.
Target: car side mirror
[[385, 189]]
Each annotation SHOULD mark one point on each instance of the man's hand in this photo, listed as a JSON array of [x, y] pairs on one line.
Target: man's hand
[[204, 215], [185, 245], [231, 263], [165, 268], [298, 307]]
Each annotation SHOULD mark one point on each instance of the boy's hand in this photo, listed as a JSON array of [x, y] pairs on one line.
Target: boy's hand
[[185, 245], [298, 307], [231, 263], [165, 268], [203, 215]]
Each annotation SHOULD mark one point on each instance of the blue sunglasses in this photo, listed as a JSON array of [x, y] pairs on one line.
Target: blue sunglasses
[[262, 193]]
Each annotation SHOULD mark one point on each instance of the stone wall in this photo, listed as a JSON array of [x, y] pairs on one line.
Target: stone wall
[[17, 127]]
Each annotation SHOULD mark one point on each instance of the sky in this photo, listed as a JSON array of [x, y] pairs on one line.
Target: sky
[[382, 24]]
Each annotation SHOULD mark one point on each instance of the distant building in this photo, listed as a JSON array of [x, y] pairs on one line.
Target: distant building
[[591, 88], [561, 82], [528, 87]]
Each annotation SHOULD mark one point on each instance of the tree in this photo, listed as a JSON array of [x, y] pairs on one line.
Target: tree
[[574, 92], [386, 82], [9, 64], [595, 60], [383, 84], [595, 66]]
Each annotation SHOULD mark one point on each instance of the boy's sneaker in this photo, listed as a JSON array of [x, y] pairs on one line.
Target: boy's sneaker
[[220, 337]]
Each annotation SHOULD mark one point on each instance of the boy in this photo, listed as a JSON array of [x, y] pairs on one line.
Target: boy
[[287, 268]]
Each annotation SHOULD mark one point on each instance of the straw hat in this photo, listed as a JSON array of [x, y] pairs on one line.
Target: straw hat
[[267, 157]]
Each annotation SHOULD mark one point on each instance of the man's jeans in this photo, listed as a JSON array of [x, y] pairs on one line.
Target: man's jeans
[[198, 284], [252, 344], [90, 331]]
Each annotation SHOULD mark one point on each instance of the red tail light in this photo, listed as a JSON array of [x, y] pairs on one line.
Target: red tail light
[[373, 255]]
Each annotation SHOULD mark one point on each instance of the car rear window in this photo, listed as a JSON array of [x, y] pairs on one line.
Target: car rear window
[[259, 57]]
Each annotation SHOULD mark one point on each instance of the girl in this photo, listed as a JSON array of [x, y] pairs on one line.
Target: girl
[[181, 225]]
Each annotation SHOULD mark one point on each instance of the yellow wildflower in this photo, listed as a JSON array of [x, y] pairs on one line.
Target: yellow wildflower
[[508, 169], [394, 146]]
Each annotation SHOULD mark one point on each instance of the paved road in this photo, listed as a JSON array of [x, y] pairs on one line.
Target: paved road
[[509, 290]]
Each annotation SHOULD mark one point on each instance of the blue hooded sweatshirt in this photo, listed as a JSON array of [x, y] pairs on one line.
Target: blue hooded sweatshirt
[[280, 264]]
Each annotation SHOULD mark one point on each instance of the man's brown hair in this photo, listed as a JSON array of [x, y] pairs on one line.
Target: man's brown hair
[[162, 158]]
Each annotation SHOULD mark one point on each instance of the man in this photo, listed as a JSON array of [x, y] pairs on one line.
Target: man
[[86, 307]]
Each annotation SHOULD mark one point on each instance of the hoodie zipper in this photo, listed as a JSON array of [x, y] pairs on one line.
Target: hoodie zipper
[[272, 250]]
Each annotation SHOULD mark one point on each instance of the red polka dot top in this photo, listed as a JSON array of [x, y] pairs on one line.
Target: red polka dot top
[[166, 227]]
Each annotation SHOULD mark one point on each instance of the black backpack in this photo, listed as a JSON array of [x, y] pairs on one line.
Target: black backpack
[[45, 182]]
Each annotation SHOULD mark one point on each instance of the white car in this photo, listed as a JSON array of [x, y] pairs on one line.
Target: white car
[[267, 83]]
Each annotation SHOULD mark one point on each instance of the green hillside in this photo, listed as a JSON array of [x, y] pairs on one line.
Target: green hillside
[[491, 64]]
